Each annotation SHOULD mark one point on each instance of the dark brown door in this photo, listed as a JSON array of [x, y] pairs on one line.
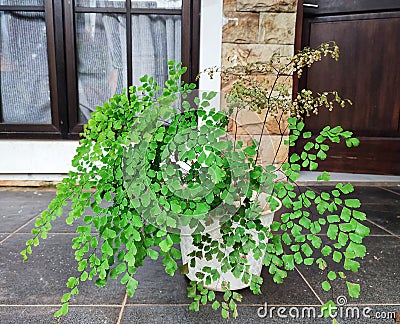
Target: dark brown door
[[367, 73]]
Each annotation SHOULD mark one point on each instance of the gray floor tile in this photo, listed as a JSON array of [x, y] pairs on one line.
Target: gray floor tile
[[182, 314], [367, 195], [256, 314], [379, 314], [293, 291], [17, 209], [306, 314], [157, 287], [44, 315], [394, 188], [387, 216], [378, 274], [59, 225], [41, 280], [374, 230], [383, 213], [21, 194]]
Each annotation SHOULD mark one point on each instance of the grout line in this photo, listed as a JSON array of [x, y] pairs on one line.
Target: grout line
[[152, 305], [18, 229], [244, 304], [396, 193], [368, 204], [382, 228], [309, 286], [352, 304], [239, 305], [50, 233], [354, 182], [365, 205], [180, 305], [319, 190], [370, 235], [58, 305], [122, 309], [278, 305], [311, 188], [311, 305], [314, 305]]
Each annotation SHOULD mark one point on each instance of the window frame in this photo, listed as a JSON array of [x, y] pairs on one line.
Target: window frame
[[55, 129], [62, 61]]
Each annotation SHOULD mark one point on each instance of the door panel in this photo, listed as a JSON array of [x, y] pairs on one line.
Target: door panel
[[367, 73], [334, 7]]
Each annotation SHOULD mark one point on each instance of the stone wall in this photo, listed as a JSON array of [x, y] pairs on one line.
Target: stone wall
[[253, 31]]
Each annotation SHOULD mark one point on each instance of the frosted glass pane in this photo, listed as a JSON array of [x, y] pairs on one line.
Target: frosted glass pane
[[22, 2], [156, 39], [25, 91], [164, 4], [101, 3], [101, 52]]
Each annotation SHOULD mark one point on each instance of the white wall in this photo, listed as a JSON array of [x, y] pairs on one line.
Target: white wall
[[35, 159]]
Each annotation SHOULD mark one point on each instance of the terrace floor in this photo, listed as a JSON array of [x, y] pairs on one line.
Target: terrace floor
[[30, 292]]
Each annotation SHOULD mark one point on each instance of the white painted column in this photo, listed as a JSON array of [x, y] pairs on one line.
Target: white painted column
[[210, 41]]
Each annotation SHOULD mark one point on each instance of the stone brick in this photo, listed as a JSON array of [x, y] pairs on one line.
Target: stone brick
[[264, 80], [253, 52], [277, 28], [241, 28], [267, 5], [272, 149], [251, 123], [229, 5]]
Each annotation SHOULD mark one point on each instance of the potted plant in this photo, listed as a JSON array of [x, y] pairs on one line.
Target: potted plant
[[172, 169]]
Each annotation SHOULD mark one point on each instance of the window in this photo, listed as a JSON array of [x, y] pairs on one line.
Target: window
[[61, 59]]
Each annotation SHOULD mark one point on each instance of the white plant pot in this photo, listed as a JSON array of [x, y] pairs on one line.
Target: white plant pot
[[187, 247]]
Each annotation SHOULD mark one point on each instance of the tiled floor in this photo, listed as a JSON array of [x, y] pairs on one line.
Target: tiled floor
[[30, 292]]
